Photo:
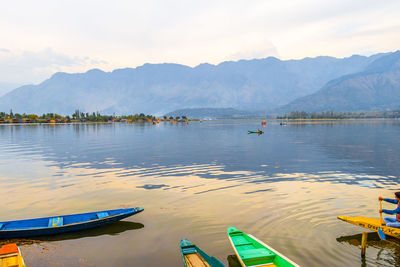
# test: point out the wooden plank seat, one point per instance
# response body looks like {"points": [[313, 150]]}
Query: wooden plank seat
{"points": [[102, 214], [56, 221], [257, 253]]}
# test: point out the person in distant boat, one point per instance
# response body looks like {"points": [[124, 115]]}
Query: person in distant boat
{"points": [[259, 132], [392, 221]]}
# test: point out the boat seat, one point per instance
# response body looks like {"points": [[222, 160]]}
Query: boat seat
{"points": [[244, 244], [102, 214], [257, 253], [189, 250], [1, 225], [56, 221], [240, 240]]}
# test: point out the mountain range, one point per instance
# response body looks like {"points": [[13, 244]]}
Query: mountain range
{"points": [[377, 87], [258, 85]]}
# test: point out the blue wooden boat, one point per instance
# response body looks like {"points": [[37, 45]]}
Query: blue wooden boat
{"points": [[194, 257], [63, 224]]}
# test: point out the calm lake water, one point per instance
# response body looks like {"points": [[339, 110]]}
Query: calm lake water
{"points": [[286, 187]]}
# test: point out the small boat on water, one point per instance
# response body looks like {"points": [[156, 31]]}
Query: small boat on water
{"points": [[63, 224], [255, 132], [252, 252], [10, 256], [194, 257], [371, 224]]}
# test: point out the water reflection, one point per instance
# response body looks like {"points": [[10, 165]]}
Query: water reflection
{"points": [[366, 151], [286, 187], [111, 229], [379, 252], [233, 261]]}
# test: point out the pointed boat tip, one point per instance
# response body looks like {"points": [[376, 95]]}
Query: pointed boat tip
{"points": [[232, 230], [185, 243]]}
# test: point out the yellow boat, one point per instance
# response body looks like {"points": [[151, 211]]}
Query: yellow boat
{"points": [[372, 224], [10, 256]]}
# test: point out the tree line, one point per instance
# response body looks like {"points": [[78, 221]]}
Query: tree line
{"points": [[77, 116]]}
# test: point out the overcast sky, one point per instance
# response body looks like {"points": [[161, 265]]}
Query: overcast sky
{"points": [[38, 38]]}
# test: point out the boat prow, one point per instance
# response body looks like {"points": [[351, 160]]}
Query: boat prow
{"points": [[193, 256], [373, 224]]}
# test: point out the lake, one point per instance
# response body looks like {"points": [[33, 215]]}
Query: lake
{"points": [[286, 187]]}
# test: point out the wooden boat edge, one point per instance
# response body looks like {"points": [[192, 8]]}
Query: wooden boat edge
{"points": [[139, 209], [216, 262], [275, 251], [357, 220], [236, 252], [71, 225]]}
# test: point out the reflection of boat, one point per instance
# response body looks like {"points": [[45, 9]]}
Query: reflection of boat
{"points": [[252, 252], [110, 229], [372, 224], [233, 261], [63, 224], [355, 240], [194, 257], [10, 256]]}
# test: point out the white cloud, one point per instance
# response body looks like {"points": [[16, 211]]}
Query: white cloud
{"points": [[34, 67], [128, 33]]}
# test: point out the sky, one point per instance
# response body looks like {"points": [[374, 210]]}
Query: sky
{"points": [[41, 37]]}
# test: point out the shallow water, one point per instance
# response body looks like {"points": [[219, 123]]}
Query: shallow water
{"points": [[286, 187]]}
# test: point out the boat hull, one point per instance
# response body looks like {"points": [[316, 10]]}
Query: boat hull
{"points": [[252, 252], [77, 226], [193, 256], [371, 224]]}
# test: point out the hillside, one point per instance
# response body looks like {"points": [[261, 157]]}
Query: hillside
{"points": [[375, 88], [257, 84]]}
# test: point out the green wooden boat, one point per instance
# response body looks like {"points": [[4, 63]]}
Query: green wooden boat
{"points": [[252, 252], [255, 132], [194, 257]]}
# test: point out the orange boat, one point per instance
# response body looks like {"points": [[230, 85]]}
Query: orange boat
{"points": [[10, 256]]}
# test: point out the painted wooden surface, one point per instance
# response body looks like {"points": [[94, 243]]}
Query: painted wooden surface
{"points": [[195, 260], [252, 252], [63, 224], [372, 224], [10, 256], [193, 256]]}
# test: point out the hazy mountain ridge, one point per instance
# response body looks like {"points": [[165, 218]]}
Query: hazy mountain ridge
{"points": [[257, 84], [375, 88], [213, 113]]}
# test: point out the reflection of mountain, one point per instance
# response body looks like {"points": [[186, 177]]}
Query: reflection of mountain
{"points": [[345, 153], [370, 147], [111, 229]]}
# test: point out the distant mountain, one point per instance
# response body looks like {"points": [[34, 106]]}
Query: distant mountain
{"points": [[257, 84], [213, 113], [377, 87], [7, 87]]}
